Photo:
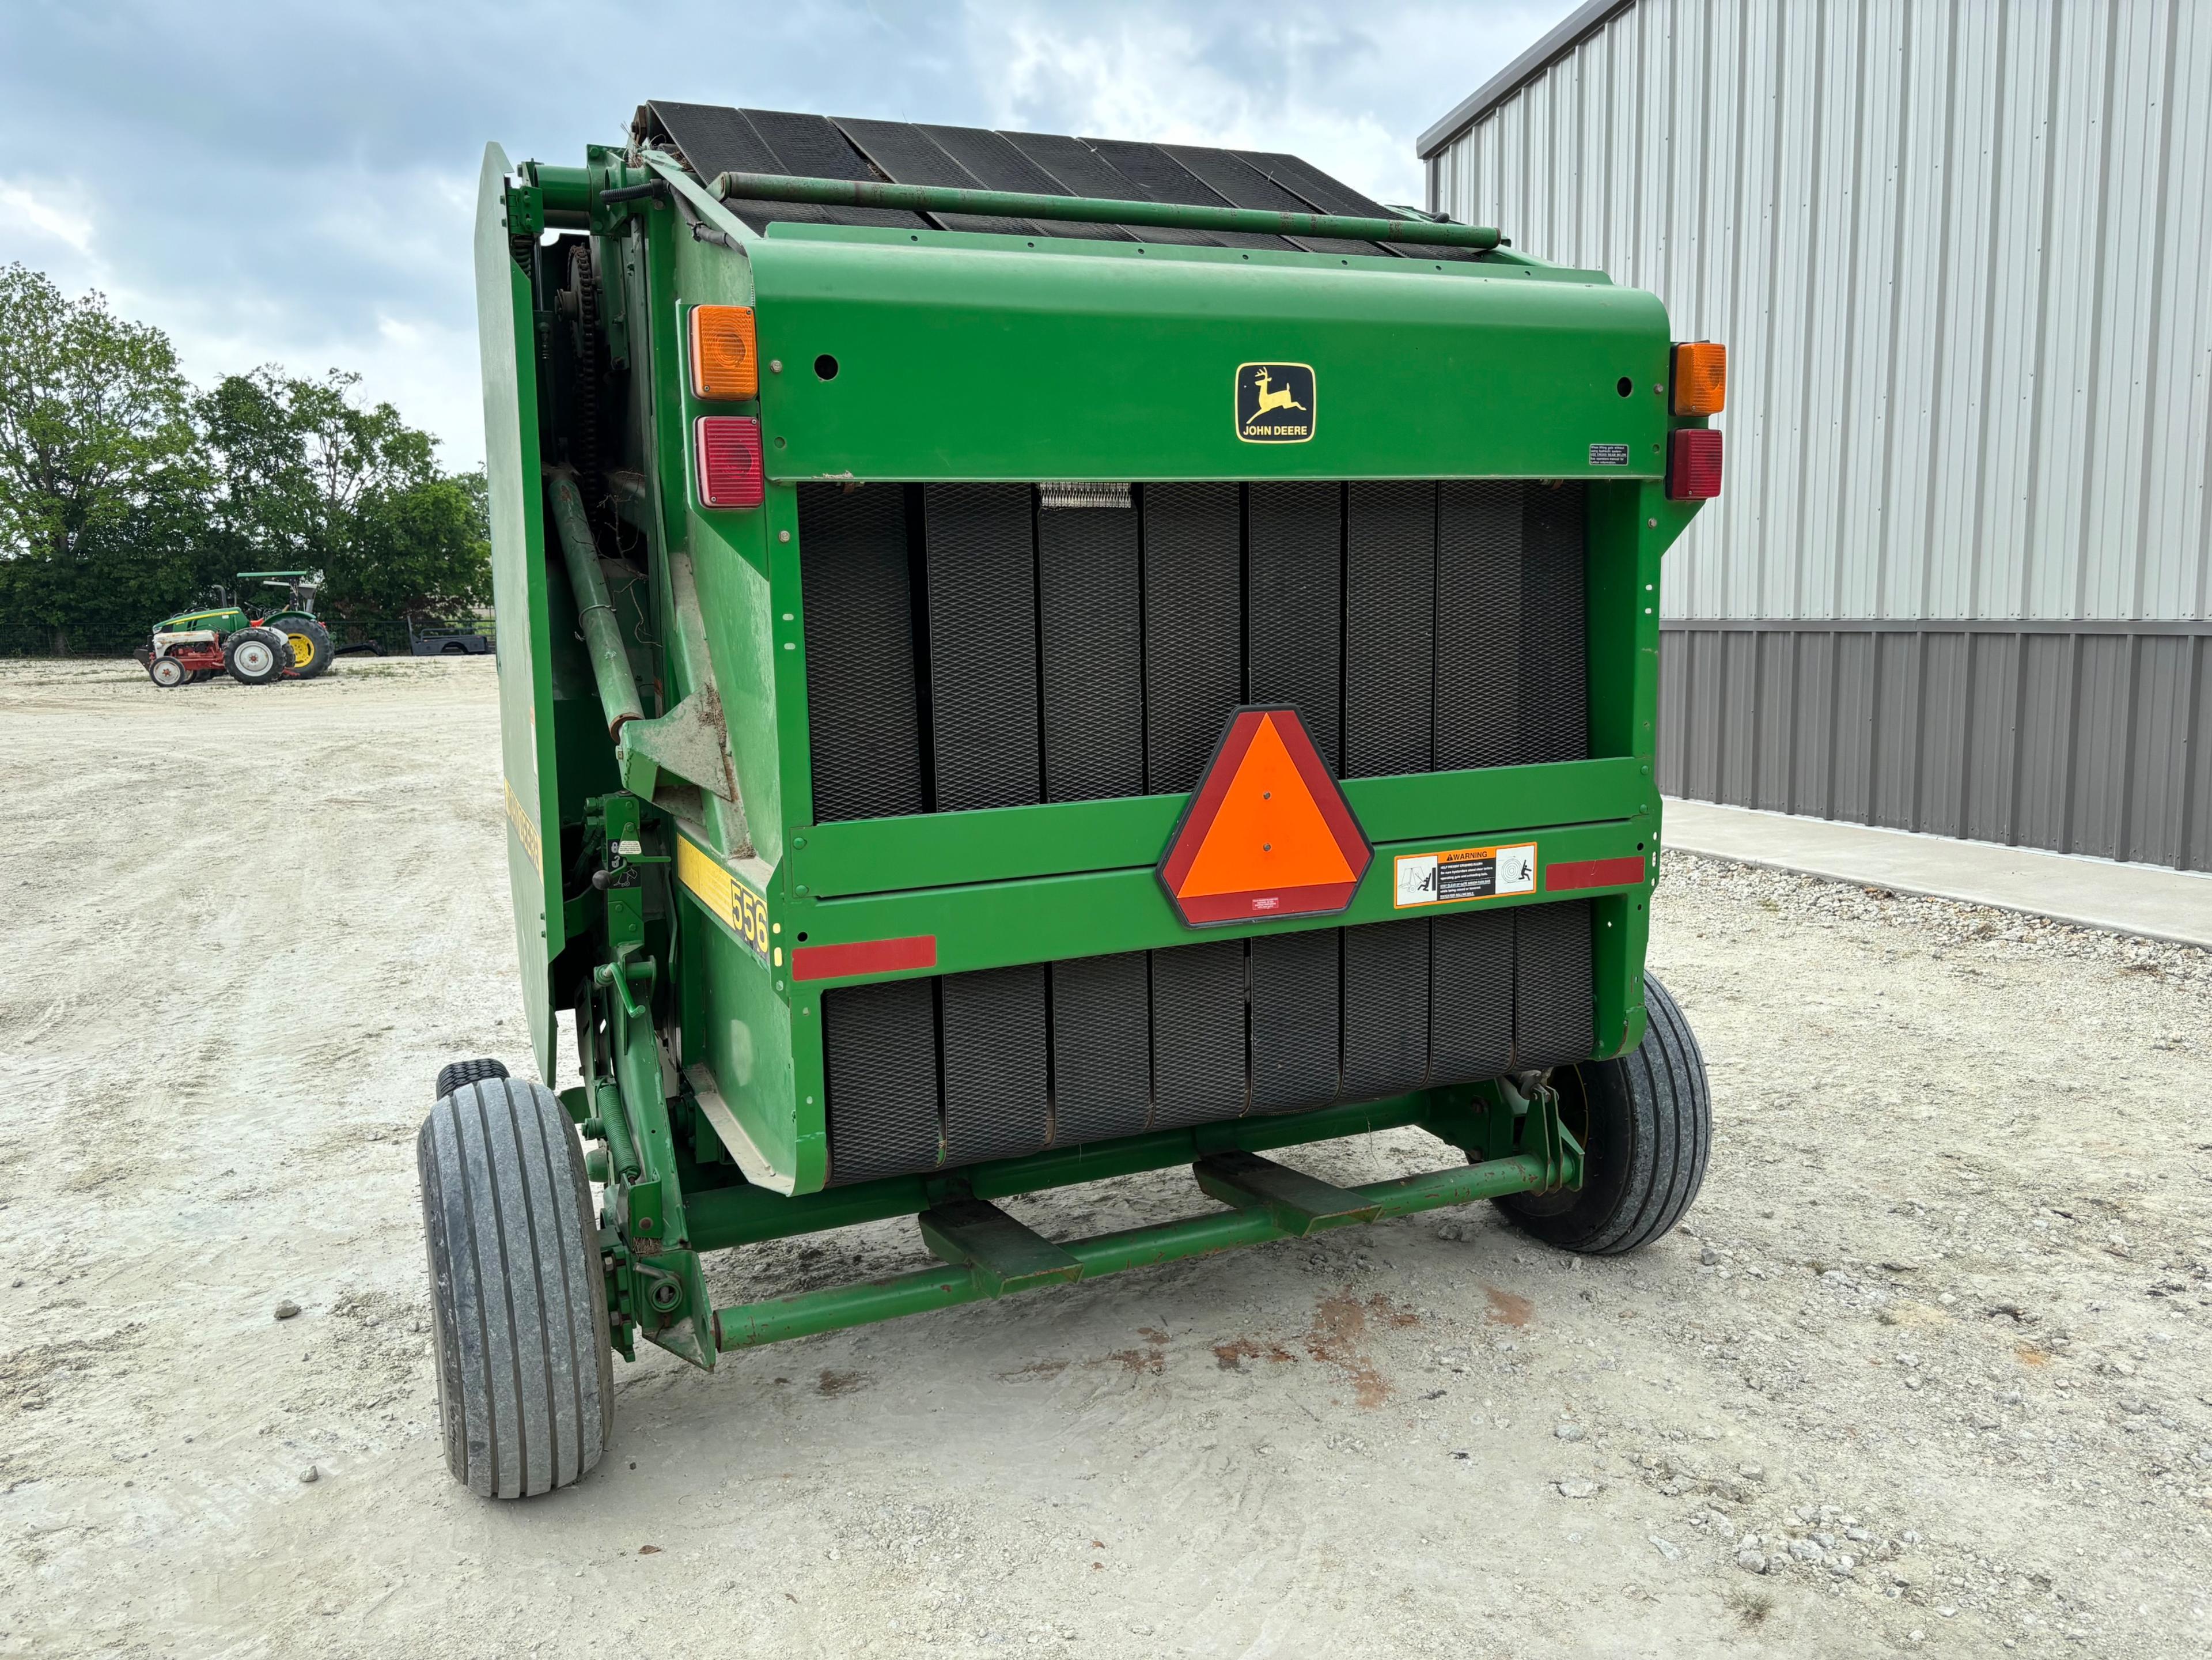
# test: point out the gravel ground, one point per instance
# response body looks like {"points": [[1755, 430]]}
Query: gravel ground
{"points": [[1925, 1372]]}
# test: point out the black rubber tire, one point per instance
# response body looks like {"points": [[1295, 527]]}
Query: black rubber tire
{"points": [[454, 1073], [166, 671], [320, 648], [250, 668], [200, 675], [1645, 1120], [526, 1379]]}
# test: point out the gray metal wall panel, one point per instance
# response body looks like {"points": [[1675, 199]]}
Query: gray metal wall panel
{"points": [[1938, 770], [2082, 742], [1956, 253]]}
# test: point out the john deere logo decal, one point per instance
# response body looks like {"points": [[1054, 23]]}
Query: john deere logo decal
{"points": [[1274, 403]]}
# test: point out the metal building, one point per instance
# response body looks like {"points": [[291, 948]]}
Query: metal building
{"points": [[1959, 576]]}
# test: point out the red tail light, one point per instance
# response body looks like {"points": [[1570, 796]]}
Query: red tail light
{"points": [[1693, 471], [730, 461]]}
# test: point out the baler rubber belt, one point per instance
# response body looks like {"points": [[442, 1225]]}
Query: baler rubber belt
{"points": [[1389, 628], [1194, 628], [863, 723], [1296, 1057], [1554, 1014], [1102, 1048], [1386, 1009], [1161, 177], [1554, 680], [996, 1103], [1198, 1034], [981, 576], [995, 163], [1470, 996], [1480, 533], [1091, 604], [879, 1058], [1294, 605], [1080, 170], [907, 154]]}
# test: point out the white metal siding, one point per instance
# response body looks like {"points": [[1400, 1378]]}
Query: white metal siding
{"points": [[1959, 254]]}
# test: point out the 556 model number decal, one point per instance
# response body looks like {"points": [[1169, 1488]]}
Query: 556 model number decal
{"points": [[730, 900]]}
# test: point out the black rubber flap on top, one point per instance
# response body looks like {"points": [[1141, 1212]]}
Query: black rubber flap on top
{"points": [[1236, 182], [1294, 1059], [1102, 1048], [1194, 628], [982, 644], [879, 1057], [863, 723], [1090, 606], [1082, 171], [1554, 1020], [1198, 1034], [909, 155], [1161, 177], [995, 163], [713, 139], [1389, 628], [1294, 604], [996, 1104]]}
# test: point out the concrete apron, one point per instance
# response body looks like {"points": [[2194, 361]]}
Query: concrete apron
{"points": [[2147, 900]]}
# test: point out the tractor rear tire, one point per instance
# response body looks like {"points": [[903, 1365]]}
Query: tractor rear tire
{"points": [[519, 1308], [454, 1073], [1645, 1120], [257, 657], [198, 675], [166, 671], [310, 641]]}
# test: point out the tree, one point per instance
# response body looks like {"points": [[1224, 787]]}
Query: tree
{"points": [[418, 548], [95, 430]]}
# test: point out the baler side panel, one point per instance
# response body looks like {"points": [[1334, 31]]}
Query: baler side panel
{"points": [[506, 335]]}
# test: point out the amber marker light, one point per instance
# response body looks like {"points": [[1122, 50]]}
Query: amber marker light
{"points": [[1701, 378], [725, 355]]}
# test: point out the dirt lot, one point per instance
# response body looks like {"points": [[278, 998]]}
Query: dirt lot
{"points": [[1925, 1372]]}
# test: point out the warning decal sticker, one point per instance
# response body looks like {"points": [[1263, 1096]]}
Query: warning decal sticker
{"points": [[1608, 455], [1444, 879]]}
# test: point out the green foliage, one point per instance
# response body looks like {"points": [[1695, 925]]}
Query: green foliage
{"points": [[123, 495]]}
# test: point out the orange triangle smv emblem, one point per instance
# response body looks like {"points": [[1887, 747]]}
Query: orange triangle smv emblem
{"points": [[1267, 833]]}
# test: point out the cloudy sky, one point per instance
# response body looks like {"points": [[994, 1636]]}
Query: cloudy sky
{"points": [[293, 183]]}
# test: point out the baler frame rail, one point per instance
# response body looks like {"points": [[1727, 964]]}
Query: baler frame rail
{"points": [[990, 1254]]}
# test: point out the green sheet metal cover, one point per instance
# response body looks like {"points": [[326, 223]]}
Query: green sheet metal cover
{"points": [[505, 336]]}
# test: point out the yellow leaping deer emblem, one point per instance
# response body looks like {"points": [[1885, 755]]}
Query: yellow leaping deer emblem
{"points": [[1277, 399]]}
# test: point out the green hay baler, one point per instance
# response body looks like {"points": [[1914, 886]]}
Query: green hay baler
{"points": [[1026, 659]]}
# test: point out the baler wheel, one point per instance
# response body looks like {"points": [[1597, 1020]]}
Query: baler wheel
{"points": [[1645, 1122], [257, 656], [168, 671], [518, 1298], [454, 1073]]}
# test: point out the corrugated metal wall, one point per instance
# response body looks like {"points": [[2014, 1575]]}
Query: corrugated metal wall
{"points": [[1959, 254]]}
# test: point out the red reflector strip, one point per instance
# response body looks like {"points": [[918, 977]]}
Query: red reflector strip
{"points": [[1693, 472], [729, 461], [1594, 873], [917, 950]]}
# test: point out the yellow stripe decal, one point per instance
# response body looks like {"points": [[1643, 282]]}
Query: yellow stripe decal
{"points": [[730, 901], [524, 829]]}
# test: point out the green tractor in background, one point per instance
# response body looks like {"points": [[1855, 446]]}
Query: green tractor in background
{"points": [[290, 640]]}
